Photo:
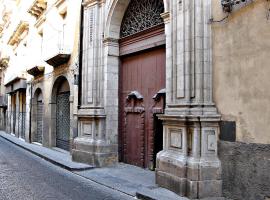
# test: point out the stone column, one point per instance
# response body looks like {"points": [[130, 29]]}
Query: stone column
{"points": [[92, 144], [188, 164]]}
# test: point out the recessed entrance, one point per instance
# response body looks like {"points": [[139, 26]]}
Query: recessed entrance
{"points": [[142, 77], [63, 116], [142, 83], [37, 116]]}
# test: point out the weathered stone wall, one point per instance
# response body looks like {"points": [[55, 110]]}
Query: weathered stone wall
{"points": [[241, 70], [245, 170]]}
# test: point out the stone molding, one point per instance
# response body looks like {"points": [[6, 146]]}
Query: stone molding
{"points": [[18, 35], [38, 8], [166, 17]]}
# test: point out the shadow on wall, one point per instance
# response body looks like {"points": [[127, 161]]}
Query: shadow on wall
{"points": [[245, 170]]}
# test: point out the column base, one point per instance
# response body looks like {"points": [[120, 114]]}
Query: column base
{"points": [[94, 152], [194, 179], [204, 189], [171, 171], [189, 165]]}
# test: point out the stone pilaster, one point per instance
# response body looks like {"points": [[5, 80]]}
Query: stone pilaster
{"points": [[17, 113], [92, 144], [27, 113], [188, 164]]}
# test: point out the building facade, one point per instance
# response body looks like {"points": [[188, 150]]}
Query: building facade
{"points": [[179, 87], [40, 42]]}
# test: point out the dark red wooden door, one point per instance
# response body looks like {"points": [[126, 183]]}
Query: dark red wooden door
{"points": [[144, 75]]}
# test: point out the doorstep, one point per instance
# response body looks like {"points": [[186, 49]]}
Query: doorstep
{"points": [[55, 155]]}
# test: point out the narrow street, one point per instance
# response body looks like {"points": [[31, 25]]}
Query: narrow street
{"points": [[24, 176]]}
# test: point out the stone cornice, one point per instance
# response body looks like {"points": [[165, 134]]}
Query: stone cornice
{"points": [[89, 3], [59, 2], [40, 21], [110, 40], [38, 8], [17, 35]]}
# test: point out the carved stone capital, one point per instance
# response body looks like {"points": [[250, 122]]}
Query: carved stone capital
{"points": [[111, 41]]}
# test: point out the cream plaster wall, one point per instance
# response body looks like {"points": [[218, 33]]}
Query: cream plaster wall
{"points": [[241, 59]]}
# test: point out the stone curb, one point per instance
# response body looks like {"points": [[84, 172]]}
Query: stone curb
{"points": [[157, 194]]}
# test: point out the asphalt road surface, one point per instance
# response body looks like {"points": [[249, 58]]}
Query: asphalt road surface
{"points": [[24, 176]]}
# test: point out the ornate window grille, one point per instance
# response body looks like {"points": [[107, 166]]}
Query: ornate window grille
{"points": [[141, 15]]}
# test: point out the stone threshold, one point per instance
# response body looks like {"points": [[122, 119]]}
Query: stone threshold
{"points": [[56, 156]]}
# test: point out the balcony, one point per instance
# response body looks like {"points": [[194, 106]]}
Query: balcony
{"points": [[57, 51], [36, 70], [15, 83], [3, 101]]}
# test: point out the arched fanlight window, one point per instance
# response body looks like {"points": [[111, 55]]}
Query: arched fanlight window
{"points": [[141, 15]]}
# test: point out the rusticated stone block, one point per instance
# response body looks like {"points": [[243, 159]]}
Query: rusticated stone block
{"points": [[172, 168], [210, 188], [193, 173], [94, 159], [171, 182], [210, 173]]}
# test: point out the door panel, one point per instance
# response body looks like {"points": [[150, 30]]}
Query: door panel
{"points": [[63, 121], [145, 73]]}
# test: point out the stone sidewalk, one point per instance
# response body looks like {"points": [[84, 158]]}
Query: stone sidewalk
{"points": [[128, 179], [56, 156]]}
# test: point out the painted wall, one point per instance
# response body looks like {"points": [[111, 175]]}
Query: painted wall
{"points": [[241, 55]]}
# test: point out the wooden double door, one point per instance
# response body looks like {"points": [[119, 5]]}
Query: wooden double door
{"points": [[142, 76]]}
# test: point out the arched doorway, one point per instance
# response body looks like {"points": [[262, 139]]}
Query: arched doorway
{"points": [[142, 77], [37, 117], [62, 114]]}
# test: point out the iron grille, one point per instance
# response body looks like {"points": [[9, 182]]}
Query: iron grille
{"points": [[141, 15], [21, 124], [63, 121]]}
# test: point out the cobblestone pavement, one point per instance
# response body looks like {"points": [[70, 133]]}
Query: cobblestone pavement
{"points": [[24, 176]]}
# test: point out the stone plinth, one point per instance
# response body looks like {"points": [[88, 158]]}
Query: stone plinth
{"points": [[94, 152], [189, 165]]}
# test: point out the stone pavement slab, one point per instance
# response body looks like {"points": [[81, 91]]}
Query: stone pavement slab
{"points": [[55, 156], [130, 180]]}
